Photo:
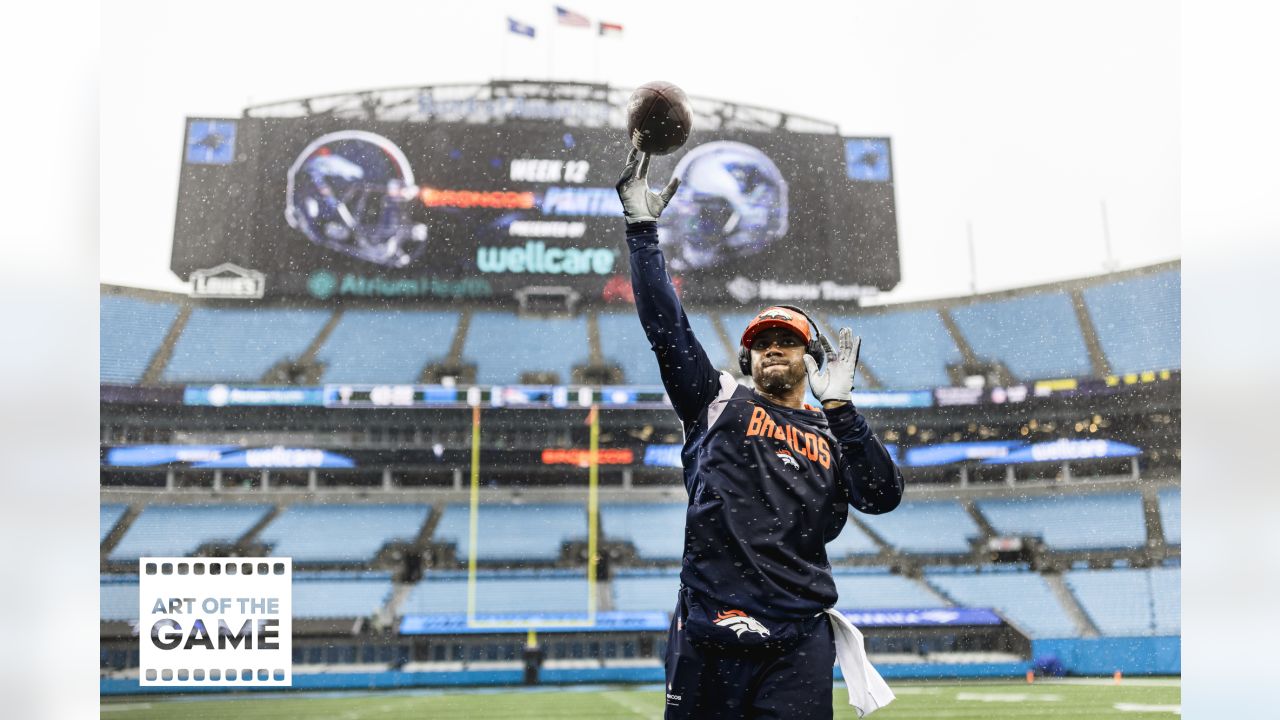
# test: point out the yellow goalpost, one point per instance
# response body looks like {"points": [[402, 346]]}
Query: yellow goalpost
{"points": [[593, 525]]}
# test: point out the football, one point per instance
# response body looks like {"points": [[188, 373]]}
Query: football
{"points": [[658, 118]]}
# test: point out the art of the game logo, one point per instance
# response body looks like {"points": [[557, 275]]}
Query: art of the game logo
{"points": [[215, 622]]}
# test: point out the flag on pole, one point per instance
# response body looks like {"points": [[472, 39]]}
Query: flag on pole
{"points": [[571, 18], [519, 28], [610, 29]]}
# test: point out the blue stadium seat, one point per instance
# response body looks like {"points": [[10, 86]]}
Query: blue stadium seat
{"points": [[499, 595], [1036, 336], [321, 596], [852, 540], [623, 343], [514, 533], [1072, 522], [925, 527], [386, 346], [341, 533], [130, 332], [118, 598], [179, 530], [905, 349], [642, 592], [656, 529], [1170, 502], [863, 591], [1024, 599], [1119, 602], [240, 345], [1139, 321], [108, 516], [1166, 600], [503, 346]]}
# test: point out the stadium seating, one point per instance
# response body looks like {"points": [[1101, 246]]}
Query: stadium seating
{"points": [[882, 591], [851, 541], [514, 533], [240, 345], [1072, 522], [118, 598], [655, 529], [381, 346], [925, 527], [1129, 602], [1139, 321], [623, 343], [548, 594], [108, 516], [328, 595], [905, 349], [503, 346], [1024, 599], [637, 591], [130, 332], [1035, 336], [1170, 502], [179, 530], [341, 533]]}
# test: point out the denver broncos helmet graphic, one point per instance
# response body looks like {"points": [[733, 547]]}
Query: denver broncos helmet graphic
{"points": [[788, 459], [351, 191], [732, 203], [740, 622]]}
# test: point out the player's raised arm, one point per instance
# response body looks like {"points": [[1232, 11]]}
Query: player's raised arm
{"points": [[687, 373], [874, 481]]}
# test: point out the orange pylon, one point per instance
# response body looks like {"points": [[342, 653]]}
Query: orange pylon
{"points": [[1031, 676], [1117, 677]]}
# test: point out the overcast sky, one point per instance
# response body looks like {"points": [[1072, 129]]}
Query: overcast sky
{"points": [[1019, 118]]}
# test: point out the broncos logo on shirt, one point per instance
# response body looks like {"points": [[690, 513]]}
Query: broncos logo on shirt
{"points": [[788, 459], [740, 622]]}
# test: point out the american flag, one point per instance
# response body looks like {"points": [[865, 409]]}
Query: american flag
{"points": [[571, 18]]}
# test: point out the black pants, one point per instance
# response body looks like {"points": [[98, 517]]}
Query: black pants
{"points": [[706, 684]]}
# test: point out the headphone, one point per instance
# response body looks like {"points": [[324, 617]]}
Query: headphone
{"points": [[818, 347]]}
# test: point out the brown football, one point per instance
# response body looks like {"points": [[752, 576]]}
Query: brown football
{"points": [[658, 118]]}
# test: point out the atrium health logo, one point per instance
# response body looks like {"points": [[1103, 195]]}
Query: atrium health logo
{"points": [[322, 284]]}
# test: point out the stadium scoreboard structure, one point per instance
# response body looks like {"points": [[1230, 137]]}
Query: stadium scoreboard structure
{"points": [[484, 191]]}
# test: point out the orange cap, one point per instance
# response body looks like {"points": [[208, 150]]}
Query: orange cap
{"points": [[776, 317]]}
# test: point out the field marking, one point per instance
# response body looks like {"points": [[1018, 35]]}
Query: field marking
{"points": [[625, 701], [117, 707], [1006, 697], [1135, 707], [1137, 682]]}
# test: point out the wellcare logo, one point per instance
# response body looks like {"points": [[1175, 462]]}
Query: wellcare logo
{"points": [[537, 258]]}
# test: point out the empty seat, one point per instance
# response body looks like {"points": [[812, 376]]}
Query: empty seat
{"points": [[646, 592], [179, 530], [321, 597], [1025, 600], [926, 527], [1170, 502], [852, 540], [500, 595], [118, 598], [865, 591], [386, 346], [341, 533], [1119, 602], [130, 332], [623, 343], [655, 529], [1035, 336], [503, 346], [235, 345], [905, 349], [1072, 522], [1139, 321], [108, 516], [514, 533]]}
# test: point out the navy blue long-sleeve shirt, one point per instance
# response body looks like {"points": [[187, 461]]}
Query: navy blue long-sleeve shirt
{"points": [[769, 486]]}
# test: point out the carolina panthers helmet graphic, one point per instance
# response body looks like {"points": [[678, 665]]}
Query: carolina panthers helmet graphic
{"points": [[732, 203], [351, 191]]}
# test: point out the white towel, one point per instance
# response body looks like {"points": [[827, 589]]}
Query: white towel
{"points": [[868, 691]]}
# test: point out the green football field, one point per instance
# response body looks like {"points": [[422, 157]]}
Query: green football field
{"points": [[1133, 699]]}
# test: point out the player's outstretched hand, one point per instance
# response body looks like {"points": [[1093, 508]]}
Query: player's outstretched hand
{"points": [[639, 203], [834, 382]]}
